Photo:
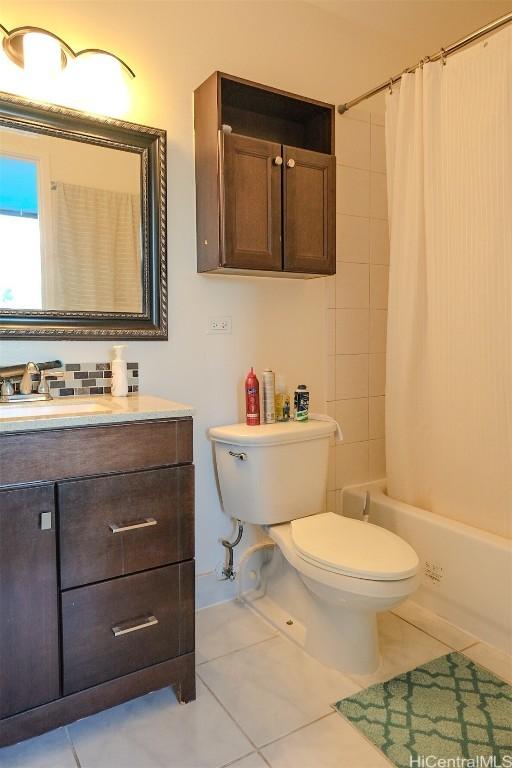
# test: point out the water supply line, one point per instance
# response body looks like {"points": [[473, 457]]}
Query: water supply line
{"points": [[228, 572]]}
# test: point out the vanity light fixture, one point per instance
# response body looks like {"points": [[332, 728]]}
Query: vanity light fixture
{"points": [[26, 45], [14, 45], [38, 63]]}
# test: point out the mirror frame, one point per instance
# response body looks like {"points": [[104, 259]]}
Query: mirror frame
{"points": [[150, 144]]}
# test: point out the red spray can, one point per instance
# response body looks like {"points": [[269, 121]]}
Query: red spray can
{"points": [[252, 399]]}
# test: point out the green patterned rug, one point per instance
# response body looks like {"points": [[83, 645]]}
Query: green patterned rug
{"points": [[448, 708]]}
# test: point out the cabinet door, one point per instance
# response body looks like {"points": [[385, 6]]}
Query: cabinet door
{"points": [[309, 199], [251, 203], [29, 646]]}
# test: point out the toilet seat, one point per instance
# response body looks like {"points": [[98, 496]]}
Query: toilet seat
{"points": [[353, 548]]}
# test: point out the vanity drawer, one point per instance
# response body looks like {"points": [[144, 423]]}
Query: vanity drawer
{"points": [[119, 626], [112, 526], [46, 455]]}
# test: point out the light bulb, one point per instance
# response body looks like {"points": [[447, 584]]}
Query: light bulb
{"points": [[96, 82], [42, 65]]}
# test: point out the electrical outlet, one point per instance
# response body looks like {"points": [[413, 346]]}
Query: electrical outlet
{"points": [[219, 324]]}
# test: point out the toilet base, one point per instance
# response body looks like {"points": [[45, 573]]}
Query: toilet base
{"points": [[341, 638], [340, 616]]}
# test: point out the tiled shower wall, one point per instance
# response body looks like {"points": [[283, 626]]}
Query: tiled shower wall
{"points": [[357, 304]]}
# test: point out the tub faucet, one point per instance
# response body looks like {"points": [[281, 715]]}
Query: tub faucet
{"points": [[366, 507]]}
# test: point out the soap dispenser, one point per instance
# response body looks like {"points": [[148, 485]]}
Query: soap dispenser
{"points": [[119, 372]]}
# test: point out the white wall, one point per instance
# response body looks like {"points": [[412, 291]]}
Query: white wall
{"points": [[173, 47]]}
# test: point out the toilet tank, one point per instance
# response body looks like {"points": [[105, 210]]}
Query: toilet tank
{"points": [[272, 473]]}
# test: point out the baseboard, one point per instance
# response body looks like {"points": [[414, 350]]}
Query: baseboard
{"points": [[210, 590]]}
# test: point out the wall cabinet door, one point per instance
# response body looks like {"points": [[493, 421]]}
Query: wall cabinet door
{"points": [[309, 211], [251, 210], [29, 645]]}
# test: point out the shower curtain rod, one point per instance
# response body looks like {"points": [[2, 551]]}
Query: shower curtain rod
{"points": [[441, 54]]}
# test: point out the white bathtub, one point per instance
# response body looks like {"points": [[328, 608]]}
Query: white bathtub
{"points": [[466, 572]]}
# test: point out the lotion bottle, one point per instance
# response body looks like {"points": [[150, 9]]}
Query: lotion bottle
{"points": [[119, 372]]}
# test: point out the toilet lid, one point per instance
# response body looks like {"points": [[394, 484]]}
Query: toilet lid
{"points": [[353, 548]]}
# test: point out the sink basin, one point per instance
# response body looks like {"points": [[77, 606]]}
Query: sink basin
{"points": [[31, 410]]}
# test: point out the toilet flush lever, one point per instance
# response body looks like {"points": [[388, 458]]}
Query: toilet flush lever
{"points": [[240, 456]]}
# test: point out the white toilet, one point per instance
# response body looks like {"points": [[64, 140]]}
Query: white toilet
{"points": [[275, 475]]}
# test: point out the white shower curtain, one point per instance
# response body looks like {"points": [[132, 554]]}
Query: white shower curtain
{"points": [[449, 349]]}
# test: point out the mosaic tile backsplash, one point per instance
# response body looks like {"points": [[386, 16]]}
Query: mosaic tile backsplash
{"points": [[86, 379]]}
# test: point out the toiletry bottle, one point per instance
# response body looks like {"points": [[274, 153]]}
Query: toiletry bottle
{"points": [[269, 397], [252, 399], [119, 372], [301, 403], [282, 400]]}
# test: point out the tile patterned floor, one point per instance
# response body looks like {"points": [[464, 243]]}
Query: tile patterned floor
{"points": [[261, 702]]}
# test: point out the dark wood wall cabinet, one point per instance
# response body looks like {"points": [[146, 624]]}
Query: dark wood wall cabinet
{"points": [[96, 570], [265, 180]]}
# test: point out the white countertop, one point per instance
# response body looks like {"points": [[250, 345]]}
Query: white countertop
{"points": [[134, 407]]}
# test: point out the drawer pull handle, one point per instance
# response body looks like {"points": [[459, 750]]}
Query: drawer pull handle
{"points": [[129, 626], [121, 527]]}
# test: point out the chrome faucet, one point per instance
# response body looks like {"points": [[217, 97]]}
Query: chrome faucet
{"points": [[7, 389], [24, 373], [43, 388], [26, 379]]}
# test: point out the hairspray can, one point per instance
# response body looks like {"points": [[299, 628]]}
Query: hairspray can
{"points": [[252, 399], [301, 403], [269, 397]]}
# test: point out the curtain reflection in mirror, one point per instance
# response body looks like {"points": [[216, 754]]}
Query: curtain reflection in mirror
{"points": [[95, 263]]}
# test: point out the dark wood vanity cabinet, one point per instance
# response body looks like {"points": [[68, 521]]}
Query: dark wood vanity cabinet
{"points": [[96, 571], [29, 629], [265, 180]]}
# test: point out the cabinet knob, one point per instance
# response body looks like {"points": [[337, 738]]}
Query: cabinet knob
{"points": [[278, 160], [290, 163]]}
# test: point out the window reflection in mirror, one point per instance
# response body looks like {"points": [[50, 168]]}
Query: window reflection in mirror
{"points": [[20, 244], [70, 225]]}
